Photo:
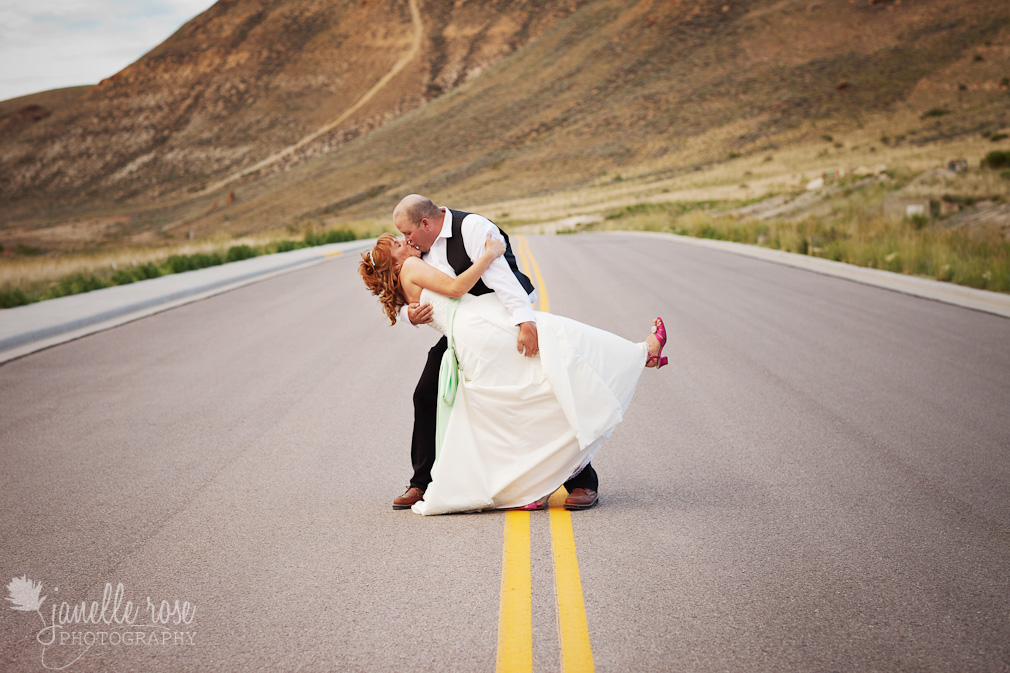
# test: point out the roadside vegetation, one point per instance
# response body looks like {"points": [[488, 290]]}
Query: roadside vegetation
{"points": [[31, 278], [761, 198], [848, 223], [975, 258]]}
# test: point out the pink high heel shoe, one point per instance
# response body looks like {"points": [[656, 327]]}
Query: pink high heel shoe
{"points": [[533, 506], [658, 329]]}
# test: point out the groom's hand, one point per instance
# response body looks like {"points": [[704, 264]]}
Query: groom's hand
{"points": [[419, 314], [527, 343]]}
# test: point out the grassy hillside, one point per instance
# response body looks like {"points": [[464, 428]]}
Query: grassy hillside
{"points": [[652, 95], [580, 111]]}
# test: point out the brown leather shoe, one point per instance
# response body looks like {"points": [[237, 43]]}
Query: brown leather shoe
{"points": [[412, 495], [581, 498]]}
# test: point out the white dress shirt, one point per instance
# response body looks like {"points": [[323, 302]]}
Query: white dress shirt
{"points": [[498, 277]]}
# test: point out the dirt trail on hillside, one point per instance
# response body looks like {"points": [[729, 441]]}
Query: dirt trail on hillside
{"points": [[410, 55]]}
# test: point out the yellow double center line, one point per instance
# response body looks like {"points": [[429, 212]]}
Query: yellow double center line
{"points": [[532, 269], [515, 615]]}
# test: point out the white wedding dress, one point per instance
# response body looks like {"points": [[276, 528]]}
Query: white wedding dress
{"points": [[520, 427]]}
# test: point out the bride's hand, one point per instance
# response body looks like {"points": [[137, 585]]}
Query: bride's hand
{"points": [[494, 246]]}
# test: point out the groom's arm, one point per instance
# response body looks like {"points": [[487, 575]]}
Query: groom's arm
{"points": [[415, 314], [499, 276]]}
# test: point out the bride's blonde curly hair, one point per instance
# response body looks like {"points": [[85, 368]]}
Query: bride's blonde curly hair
{"points": [[382, 277]]}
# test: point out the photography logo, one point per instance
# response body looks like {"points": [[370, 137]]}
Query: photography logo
{"points": [[74, 628]]}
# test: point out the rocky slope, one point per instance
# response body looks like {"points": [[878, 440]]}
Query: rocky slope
{"points": [[243, 80], [505, 98]]}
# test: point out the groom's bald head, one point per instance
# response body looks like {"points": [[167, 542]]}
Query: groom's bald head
{"points": [[418, 219], [412, 208]]}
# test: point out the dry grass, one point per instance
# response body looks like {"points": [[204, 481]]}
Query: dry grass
{"points": [[34, 274], [803, 156], [978, 257], [845, 223]]}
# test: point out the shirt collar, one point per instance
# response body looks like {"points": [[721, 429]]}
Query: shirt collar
{"points": [[446, 231]]}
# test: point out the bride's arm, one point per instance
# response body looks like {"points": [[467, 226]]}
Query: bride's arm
{"points": [[422, 274]]}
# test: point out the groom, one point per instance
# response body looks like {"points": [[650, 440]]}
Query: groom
{"points": [[450, 241]]}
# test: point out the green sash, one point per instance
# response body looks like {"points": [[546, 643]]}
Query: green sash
{"points": [[448, 381]]}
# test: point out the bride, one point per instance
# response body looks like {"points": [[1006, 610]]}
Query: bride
{"points": [[519, 427]]}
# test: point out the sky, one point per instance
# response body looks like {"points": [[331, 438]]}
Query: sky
{"points": [[48, 44]]}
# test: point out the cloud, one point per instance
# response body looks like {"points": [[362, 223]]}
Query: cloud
{"points": [[47, 44]]}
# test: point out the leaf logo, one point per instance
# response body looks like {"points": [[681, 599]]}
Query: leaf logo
{"points": [[24, 594]]}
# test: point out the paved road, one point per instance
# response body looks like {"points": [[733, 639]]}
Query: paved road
{"points": [[817, 483]]}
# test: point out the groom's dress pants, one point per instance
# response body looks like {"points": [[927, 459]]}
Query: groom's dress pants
{"points": [[422, 445], [422, 448]]}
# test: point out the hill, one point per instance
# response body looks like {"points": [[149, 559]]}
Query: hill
{"points": [[496, 102], [236, 84]]}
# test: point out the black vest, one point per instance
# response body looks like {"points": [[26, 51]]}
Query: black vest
{"points": [[455, 252]]}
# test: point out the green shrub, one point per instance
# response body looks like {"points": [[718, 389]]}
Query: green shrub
{"points": [[27, 250], [340, 236], [148, 270], [12, 298], [182, 263], [287, 246], [708, 231], [124, 277], [203, 260], [967, 201], [330, 236], [997, 159], [237, 253], [935, 112], [76, 284], [178, 264]]}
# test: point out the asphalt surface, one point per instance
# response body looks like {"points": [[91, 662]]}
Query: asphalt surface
{"points": [[817, 482]]}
